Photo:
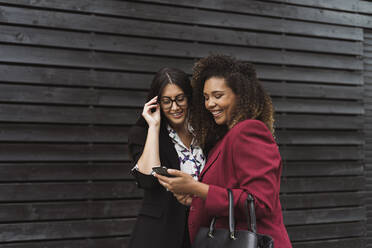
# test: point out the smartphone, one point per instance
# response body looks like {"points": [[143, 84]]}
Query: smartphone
{"points": [[162, 171]]}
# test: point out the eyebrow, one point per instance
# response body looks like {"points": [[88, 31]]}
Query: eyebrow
{"points": [[216, 91], [175, 96]]}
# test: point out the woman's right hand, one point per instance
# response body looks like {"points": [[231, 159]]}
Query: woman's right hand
{"points": [[152, 118]]}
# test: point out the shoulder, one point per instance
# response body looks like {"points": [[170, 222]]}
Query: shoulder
{"points": [[250, 127]]}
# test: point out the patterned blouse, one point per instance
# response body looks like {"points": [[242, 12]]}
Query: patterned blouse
{"points": [[192, 160]]}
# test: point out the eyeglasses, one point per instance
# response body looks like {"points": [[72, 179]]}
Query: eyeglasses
{"points": [[166, 102]]}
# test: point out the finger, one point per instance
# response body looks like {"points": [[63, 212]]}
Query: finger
{"points": [[164, 179], [176, 173]]}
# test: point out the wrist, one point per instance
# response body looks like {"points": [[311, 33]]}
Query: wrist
{"points": [[200, 190], [154, 127]]}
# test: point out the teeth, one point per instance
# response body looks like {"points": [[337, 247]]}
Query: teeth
{"points": [[216, 112]]}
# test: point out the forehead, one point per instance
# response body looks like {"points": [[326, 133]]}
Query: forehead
{"points": [[171, 90], [215, 84]]}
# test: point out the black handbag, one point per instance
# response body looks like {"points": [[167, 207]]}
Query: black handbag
{"points": [[222, 238]]}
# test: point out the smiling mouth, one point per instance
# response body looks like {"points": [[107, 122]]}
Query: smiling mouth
{"points": [[216, 113], [177, 115]]}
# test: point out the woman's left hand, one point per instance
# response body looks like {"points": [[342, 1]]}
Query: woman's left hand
{"points": [[182, 183]]}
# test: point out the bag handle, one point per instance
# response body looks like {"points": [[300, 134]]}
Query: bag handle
{"points": [[231, 218], [250, 214]]}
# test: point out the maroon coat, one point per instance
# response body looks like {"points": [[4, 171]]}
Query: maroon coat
{"points": [[247, 159]]}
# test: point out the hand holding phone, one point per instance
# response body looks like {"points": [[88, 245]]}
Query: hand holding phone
{"points": [[161, 171]]}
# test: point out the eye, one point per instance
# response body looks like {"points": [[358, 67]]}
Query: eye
{"points": [[165, 100], [206, 98], [218, 96], [180, 98]]}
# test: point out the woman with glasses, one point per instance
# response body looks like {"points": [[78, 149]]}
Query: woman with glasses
{"points": [[162, 136]]}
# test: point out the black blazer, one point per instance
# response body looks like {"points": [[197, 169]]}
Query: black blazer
{"points": [[162, 220]]}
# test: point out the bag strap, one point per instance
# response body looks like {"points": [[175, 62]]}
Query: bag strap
{"points": [[231, 215], [250, 213]]}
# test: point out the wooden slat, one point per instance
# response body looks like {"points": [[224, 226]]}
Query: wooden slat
{"points": [[298, 121], [321, 200], [313, 90], [67, 229], [321, 216], [317, 106], [180, 15], [311, 137], [322, 184], [108, 79], [64, 114], [53, 133], [31, 172], [70, 96], [68, 210], [321, 153], [114, 61], [335, 243], [63, 152], [112, 242], [329, 168], [329, 231], [106, 42], [280, 10], [21, 192]]}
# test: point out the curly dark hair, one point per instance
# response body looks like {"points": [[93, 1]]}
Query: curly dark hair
{"points": [[252, 100]]}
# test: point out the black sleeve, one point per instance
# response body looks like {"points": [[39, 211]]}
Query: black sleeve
{"points": [[136, 143]]}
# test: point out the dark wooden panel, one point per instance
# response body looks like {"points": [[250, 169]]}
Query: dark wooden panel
{"points": [[322, 184], [105, 42], [68, 210], [317, 106], [68, 229], [312, 75], [329, 168], [112, 242], [298, 121], [329, 231], [321, 153], [313, 90], [20, 192], [74, 77], [85, 59], [105, 79], [318, 137], [280, 10], [115, 61], [27, 171], [321, 216], [163, 13], [63, 152], [71, 115], [336, 243], [70, 96], [62, 133], [321, 200]]}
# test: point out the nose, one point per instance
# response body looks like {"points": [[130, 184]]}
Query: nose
{"points": [[209, 104], [174, 106]]}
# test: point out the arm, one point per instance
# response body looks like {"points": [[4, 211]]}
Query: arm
{"points": [[256, 162], [146, 156]]}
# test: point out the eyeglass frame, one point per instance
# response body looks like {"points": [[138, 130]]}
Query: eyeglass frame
{"points": [[173, 100]]}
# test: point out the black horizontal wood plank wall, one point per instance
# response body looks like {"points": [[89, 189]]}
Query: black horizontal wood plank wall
{"points": [[368, 130], [75, 75]]}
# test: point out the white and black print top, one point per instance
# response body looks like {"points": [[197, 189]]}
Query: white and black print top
{"points": [[192, 160]]}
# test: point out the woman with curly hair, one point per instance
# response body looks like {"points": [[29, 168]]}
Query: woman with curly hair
{"points": [[232, 115]]}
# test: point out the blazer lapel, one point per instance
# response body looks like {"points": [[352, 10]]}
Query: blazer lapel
{"points": [[167, 151], [211, 159]]}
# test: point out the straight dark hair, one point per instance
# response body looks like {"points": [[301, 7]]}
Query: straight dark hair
{"points": [[162, 78]]}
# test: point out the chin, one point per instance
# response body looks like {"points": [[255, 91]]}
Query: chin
{"points": [[176, 122]]}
